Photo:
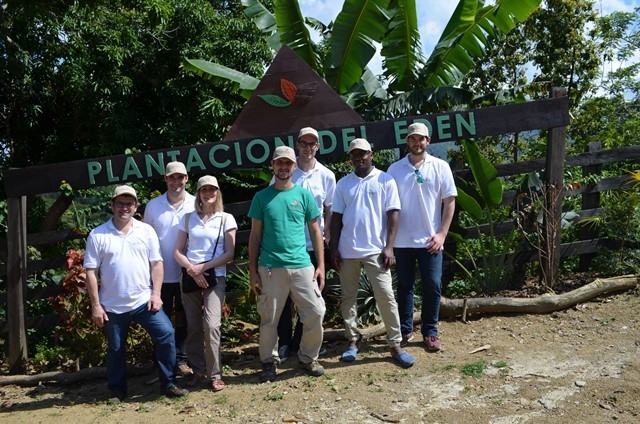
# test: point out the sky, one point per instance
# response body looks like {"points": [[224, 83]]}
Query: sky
{"points": [[433, 16]]}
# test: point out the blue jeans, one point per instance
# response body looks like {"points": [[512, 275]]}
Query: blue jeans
{"points": [[160, 329], [430, 267]]}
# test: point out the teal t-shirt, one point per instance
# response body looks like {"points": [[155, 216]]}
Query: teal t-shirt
{"points": [[284, 215]]}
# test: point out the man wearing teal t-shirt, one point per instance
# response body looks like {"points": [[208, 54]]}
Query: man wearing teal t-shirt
{"points": [[279, 264]]}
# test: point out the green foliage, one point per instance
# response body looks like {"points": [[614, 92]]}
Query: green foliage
{"points": [[368, 310], [474, 369], [459, 287]]}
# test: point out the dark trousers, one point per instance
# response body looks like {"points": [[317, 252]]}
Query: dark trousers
{"points": [[172, 303]]}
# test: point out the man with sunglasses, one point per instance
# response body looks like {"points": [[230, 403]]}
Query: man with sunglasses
{"points": [[427, 194], [363, 228], [124, 255], [321, 182]]}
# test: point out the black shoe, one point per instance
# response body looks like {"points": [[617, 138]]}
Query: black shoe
{"points": [[268, 373], [116, 397], [174, 391]]}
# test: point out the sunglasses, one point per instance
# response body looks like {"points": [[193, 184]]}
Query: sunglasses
{"points": [[419, 178]]}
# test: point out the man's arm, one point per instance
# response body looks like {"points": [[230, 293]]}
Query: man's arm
{"points": [[157, 275], [392, 229], [448, 209], [255, 240], [327, 224], [97, 313], [318, 248], [336, 228]]}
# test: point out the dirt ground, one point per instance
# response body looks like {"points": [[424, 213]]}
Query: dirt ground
{"points": [[581, 365]]}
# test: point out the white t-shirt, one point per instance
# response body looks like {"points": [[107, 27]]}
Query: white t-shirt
{"points": [[364, 203], [421, 213], [165, 219], [321, 182], [123, 262], [203, 235]]}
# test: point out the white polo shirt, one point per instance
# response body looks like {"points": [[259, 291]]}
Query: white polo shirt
{"points": [[203, 235], [321, 182], [421, 213], [364, 203], [123, 262], [165, 219]]}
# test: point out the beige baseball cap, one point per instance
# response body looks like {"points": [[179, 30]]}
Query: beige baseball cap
{"points": [[208, 180], [418, 128], [285, 152], [359, 144], [308, 131], [124, 190], [175, 168]]}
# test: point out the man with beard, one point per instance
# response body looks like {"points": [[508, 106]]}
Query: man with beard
{"points": [[427, 193], [363, 228], [279, 264]]}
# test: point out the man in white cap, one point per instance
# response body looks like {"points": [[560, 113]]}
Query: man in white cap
{"points": [[321, 182], [427, 193], [125, 254], [163, 213], [363, 228], [279, 264]]}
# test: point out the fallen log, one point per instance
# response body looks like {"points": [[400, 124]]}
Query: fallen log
{"points": [[63, 377], [450, 308]]}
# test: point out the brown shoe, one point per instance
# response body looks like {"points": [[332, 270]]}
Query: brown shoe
{"points": [[184, 369]]}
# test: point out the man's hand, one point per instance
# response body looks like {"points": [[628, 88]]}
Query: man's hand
{"points": [[318, 277], [99, 315], [155, 303], [256, 283], [387, 260]]}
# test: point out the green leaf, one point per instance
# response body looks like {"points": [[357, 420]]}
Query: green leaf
{"points": [[294, 33], [484, 173], [357, 28], [221, 74], [274, 100], [401, 47], [264, 20], [468, 199], [467, 36]]}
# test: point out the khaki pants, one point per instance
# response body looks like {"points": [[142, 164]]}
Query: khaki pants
{"points": [[380, 279], [203, 309], [277, 285]]}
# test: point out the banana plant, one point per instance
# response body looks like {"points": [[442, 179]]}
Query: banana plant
{"points": [[351, 41]]}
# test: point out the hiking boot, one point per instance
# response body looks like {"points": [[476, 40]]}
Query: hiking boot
{"points": [[268, 372], [184, 369], [174, 391], [433, 343], [312, 368], [406, 338]]}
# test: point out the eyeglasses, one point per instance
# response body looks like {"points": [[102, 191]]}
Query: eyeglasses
{"points": [[358, 156], [124, 205], [419, 178], [307, 145]]}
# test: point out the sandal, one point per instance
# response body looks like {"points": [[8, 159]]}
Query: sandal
{"points": [[349, 355], [217, 385], [193, 380]]}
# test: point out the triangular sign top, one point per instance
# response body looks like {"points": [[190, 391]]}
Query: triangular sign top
{"points": [[290, 96]]}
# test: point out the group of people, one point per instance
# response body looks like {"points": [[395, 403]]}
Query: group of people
{"points": [[369, 219]]}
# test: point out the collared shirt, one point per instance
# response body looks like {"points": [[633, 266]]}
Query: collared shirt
{"points": [[165, 220], [123, 261], [364, 203], [421, 213]]}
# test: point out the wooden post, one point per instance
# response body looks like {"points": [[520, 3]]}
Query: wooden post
{"points": [[589, 201], [554, 172], [16, 281]]}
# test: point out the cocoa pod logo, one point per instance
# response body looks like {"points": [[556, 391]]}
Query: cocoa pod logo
{"points": [[292, 95]]}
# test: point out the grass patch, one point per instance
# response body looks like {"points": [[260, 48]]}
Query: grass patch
{"points": [[474, 369], [500, 364]]}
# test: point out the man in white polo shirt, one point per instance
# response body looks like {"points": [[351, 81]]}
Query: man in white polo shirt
{"points": [[321, 182], [363, 228], [124, 279], [427, 193], [163, 213]]}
